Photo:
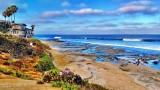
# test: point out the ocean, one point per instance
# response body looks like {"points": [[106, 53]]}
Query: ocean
{"points": [[138, 44]]}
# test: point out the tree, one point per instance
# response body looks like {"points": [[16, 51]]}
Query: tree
{"points": [[11, 11], [32, 26], [14, 9], [8, 13], [4, 15]]}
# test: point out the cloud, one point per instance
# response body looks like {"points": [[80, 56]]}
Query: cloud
{"points": [[40, 21], [51, 14], [81, 12], [134, 7], [130, 9], [66, 4], [154, 24], [80, 22], [106, 20], [131, 23], [102, 25], [86, 11], [141, 2], [138, 9]]}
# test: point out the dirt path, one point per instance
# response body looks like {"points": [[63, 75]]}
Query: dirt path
{"points": [[13, 83]]}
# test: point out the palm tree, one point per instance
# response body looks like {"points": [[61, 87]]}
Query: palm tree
{"points": [[4, 15], [11, 11], [32, 26], [14, 9], [8, 14]]}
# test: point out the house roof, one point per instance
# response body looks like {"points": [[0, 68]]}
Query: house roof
{"points": [[28, 29], [20, 24], [2, 21]]}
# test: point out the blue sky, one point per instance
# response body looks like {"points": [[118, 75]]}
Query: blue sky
{"points": [[88, 16]]}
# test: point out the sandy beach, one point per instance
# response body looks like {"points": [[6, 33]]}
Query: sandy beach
{"points": [[110, 75]]}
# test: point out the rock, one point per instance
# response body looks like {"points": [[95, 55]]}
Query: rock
{"points": [[124, 68], [155, 79], [155, 62]]}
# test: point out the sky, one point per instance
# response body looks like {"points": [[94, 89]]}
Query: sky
{"points": [[88, 16]]}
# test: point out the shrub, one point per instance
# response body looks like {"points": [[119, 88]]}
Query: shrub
{"points": [[66, 76], [17, 73], [69, 81], [44, 64], [1, 69], [65, 85], [52, 75], [95, 87], [17, 65], [40, 82], [8, 62], [5, 71]]}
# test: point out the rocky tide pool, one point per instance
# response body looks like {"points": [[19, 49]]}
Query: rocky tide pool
{"points": [[145, 49]]}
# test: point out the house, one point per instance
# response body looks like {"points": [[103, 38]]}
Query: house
{"points": [[2, 21], [21, 30]]}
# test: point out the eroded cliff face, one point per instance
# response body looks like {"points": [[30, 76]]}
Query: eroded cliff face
{"points": [[19, 56], [20, 47]]}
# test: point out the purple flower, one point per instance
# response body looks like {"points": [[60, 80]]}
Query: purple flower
{"points": [[67, 69]]}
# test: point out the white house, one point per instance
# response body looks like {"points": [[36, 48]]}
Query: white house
{"points": [[21, 30]]}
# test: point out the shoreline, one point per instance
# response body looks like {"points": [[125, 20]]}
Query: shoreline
{"points": [[107, 74]]}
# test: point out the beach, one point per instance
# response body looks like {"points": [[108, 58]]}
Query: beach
{"points": [[79, 45], [108, 74]]}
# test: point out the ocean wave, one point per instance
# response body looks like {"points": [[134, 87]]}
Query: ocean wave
{"points": [[57, 37], [127, 39], [136, 47]]}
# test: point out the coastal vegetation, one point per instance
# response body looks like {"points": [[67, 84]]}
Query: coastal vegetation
{"points": [[18, 57], [67, 80]]}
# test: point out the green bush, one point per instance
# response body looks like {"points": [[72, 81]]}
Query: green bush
{"points": [[52, 75], [17, 73], [65, 85], [44, 64], [97, 87], [5, 71], [3, 30], [20, 74]]}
